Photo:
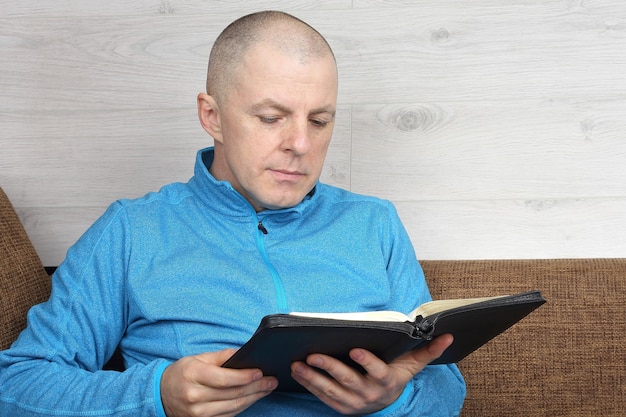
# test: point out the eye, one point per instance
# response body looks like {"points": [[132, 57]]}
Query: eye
{"points": [[319, 123], [268, 119]]}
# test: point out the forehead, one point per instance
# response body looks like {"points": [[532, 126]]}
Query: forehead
{"points": [[275, 56], [270, 104], [268, 74]]}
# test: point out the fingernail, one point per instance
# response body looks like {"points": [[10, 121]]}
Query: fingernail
{"points": [[357, 354], [315, 361], [272, 384], [298, 368]]}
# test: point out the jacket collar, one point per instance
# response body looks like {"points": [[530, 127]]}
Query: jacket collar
{"points": [[223, 198]]}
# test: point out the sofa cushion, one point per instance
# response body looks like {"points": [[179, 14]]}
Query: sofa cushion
{"points": [[23, 280], [565, 359]]}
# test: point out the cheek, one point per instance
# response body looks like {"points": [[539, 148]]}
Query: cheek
{"points": [[240, 147], [321, 147], [243, 164]]}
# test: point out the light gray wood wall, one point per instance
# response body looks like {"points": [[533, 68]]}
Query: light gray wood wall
{"points": [[497, 127]]}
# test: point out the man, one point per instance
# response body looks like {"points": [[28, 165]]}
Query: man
{"points": [[180, 278]]}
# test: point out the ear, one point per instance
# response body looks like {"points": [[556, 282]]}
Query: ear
{"points": [[209, 115]]}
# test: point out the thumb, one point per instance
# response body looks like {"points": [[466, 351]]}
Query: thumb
{"points": [[216, 358], [437, 346], [416, 360]]}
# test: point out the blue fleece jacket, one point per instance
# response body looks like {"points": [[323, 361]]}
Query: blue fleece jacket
{"points": [[189, 270]]}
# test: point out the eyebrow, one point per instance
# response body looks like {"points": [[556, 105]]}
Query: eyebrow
{"points": [[270, 103]]}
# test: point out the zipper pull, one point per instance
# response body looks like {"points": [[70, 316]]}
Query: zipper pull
{"points": [[261, 227], [424, 328]]}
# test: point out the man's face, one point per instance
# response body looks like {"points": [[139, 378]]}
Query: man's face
{"points": [[275, 127]]}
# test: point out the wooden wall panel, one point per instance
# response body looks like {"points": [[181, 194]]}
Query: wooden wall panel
{"points": [[497, 128], [164, 7], [476, 52], [516, 229], [490, 150], [482, 50], [96, 160]]}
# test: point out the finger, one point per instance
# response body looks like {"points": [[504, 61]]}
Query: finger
{"points": [[211, 374], [323, 387], [229, 407], [344, 374], [309, 376], [196, 384], [415, 360], [374, 367], [216, 358], [436, 347], [222, 378], [205, 381], [347, 390]]}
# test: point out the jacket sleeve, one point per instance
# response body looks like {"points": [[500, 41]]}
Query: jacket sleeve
{"points": [[54, 368], [438, 390]]}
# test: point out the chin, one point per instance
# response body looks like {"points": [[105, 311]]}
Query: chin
{"points": [[282, 203]]}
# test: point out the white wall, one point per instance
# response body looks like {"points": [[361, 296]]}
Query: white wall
{"points": [[497, 127]]}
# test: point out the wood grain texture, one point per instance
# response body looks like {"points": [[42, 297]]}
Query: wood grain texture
{"points": [[440, 53], [490, 150], [516, 229], [102, 156], [498, 129], [163, 7]]}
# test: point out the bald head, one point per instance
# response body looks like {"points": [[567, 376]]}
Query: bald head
{"points": [[288, 34]]}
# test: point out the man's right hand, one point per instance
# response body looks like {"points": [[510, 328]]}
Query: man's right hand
{"points": [[198, 386]]}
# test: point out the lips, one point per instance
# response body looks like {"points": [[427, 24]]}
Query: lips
{"points": [[287, 175], [287, 172]]}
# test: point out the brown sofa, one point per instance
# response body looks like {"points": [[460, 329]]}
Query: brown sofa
{"points": [[565, 359], [568, 358], [23, 280]]}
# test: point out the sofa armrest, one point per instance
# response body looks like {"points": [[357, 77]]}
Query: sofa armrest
{"points": [[23, 280]]}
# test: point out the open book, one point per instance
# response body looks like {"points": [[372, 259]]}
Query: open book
{"points": [[282, 339]]}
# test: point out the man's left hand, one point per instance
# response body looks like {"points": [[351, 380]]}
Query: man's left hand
{"points": [[349, 391]]}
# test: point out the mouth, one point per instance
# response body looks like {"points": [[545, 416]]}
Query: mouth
{"points": [[287, 175]]}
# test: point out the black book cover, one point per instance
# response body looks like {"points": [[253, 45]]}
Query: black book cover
{"points": [[283, 338]]}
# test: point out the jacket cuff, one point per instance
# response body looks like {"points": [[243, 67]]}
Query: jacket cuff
{"points": [[158, 403]]}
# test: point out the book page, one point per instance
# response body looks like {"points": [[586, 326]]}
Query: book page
{"points": [[426, 309], [437, 306], [383, 315]]}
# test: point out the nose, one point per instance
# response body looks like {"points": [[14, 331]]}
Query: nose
{"points": [[297, 137]]}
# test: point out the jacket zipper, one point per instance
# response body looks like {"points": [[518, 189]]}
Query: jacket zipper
{"points": [[281, 297]]}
